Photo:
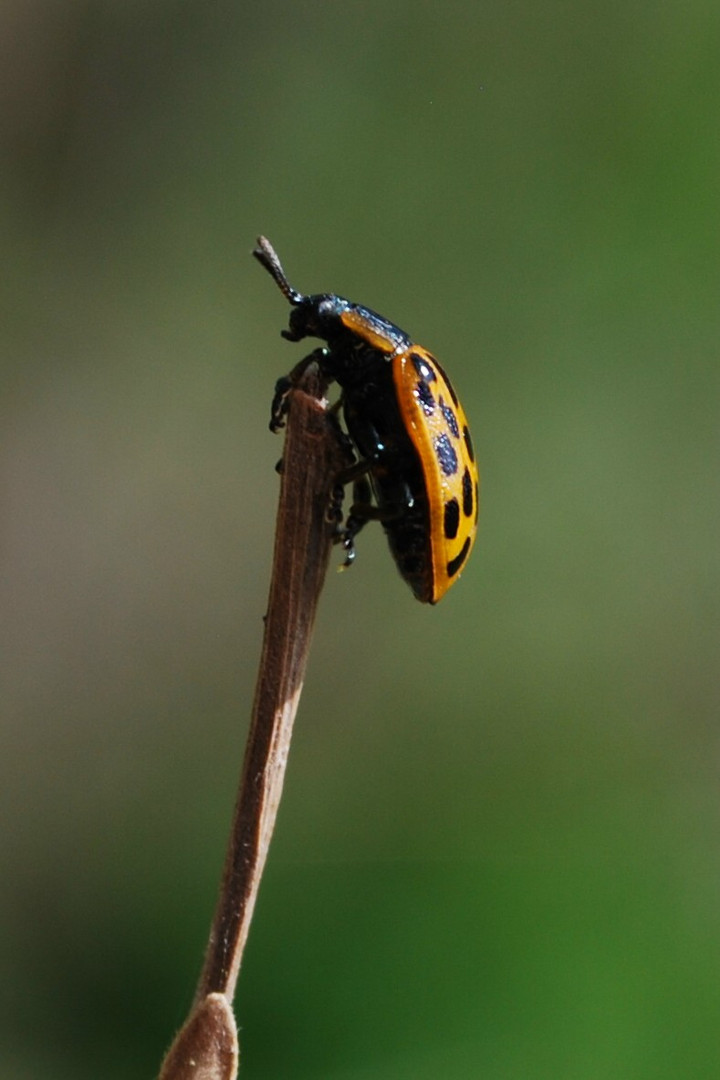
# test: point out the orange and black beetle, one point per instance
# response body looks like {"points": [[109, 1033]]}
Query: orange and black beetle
{"points": [[415, 454]]}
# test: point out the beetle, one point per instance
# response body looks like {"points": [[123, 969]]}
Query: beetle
{"points": [[415, 456]]}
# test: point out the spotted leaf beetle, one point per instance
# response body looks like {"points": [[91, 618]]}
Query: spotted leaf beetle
{"points": [[415, 454]]}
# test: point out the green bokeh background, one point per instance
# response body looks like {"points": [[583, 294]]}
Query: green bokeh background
{"points": [[498, 854]]}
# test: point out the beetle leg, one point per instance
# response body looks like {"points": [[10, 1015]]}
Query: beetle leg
{"points": [[355, 471], [361, 511], [279, 406], [334, 512], [363, 508]]}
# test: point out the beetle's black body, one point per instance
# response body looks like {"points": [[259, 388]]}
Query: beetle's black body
{"points": [[374, 425]]}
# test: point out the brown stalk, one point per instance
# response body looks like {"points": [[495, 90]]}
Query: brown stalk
{"points": [[206, 1047]]}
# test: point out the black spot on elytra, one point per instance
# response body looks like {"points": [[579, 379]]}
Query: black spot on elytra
{"points": [[447, 458], [425, 396], [468, 443], [454, 565], [450, 419], [422, 367], [452, 519], [467, 487]]}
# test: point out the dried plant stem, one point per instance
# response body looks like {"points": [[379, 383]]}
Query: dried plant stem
{"points": [[203, 1050]]}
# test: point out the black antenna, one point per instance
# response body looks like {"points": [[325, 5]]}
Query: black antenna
{"points": [[266, 255]]}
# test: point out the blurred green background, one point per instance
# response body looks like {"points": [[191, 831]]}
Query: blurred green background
{"points": [[498, 853]]}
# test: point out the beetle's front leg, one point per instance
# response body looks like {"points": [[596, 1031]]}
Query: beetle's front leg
{"points": [[279, 406]]}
